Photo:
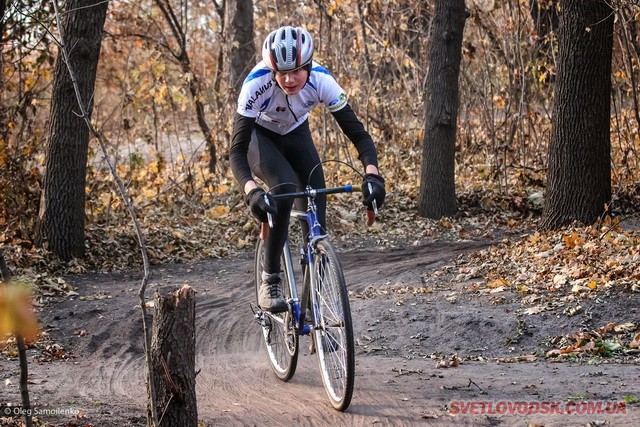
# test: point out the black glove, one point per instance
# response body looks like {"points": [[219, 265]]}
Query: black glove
{"points": [[376, 193], [259, 207]]}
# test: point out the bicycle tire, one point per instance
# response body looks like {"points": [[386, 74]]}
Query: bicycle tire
{"points": [[281, 343], [334, 334]]}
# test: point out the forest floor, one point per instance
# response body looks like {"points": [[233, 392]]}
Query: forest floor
{"points": [[436, 344]]}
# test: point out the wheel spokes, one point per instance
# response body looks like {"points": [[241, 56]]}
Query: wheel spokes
{"points": [[332, 340]]}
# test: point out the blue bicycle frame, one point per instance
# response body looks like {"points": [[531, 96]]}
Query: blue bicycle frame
{"points": [[315, 235]]}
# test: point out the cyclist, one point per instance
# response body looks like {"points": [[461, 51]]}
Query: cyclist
{"points": [[271, 139]]}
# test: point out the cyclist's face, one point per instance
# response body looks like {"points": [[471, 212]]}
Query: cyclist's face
{"points": [[292, 82]]}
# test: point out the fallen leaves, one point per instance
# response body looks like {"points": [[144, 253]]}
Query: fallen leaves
{"points": [[451, 362], [52, 351], [218, 211], [534, 310], [517, 359], [373, 292], [605, 341], [577, 260], [635, 342]]}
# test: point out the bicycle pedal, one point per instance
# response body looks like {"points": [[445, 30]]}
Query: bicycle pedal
{"points": [[258, 314]]}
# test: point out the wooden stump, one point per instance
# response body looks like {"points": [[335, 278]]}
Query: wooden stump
{"points": [[173, 358]]}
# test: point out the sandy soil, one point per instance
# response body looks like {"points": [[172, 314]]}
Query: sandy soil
{"points": [[402, 337]]}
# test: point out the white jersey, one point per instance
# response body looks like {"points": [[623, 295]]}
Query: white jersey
{"points": [[260, 97]]}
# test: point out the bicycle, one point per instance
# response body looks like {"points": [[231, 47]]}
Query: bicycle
{"points": [[324, 293]]}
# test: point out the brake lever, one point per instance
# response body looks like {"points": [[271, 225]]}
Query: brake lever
{"points": [[374, 204], [371, 214], [269, 216]]}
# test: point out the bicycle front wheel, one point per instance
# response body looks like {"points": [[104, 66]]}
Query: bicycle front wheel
{"points": [[333, 333], [278, 329]]}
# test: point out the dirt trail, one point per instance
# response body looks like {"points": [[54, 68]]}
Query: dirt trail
{"points": [[400, 336]]}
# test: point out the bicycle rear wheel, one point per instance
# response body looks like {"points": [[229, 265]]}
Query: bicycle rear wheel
{"points": [[278, 330], [333, 334]]}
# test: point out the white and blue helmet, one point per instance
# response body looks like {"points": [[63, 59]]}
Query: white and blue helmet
{"points": [[287, 49]]}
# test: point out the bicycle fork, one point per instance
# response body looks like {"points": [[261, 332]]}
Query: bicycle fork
{"points": [[293, 302]]}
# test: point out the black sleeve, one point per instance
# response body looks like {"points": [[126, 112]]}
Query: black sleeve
{"points": [[355, 131], [240, 139]]}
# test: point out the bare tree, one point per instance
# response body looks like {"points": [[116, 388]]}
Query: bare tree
{"points": [[437, 181], [177, 22], [240, 49], [579, 178], [61, 218]]}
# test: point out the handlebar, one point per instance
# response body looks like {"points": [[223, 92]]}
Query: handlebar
{"points": [[313, 192]]}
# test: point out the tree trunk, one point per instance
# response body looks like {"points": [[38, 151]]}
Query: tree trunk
{"points": [[173, 359], [437, 181], [240, 51], [61, 217], [579, 177], [238, 58]]}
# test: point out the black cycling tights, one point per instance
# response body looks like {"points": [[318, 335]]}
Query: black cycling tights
{"points": [[284, 163]]}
